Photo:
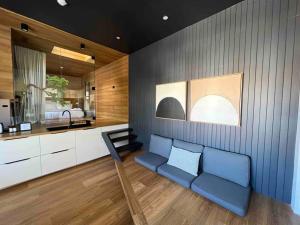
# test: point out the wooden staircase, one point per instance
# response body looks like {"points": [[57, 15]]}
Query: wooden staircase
{"points": [[121, 140]]}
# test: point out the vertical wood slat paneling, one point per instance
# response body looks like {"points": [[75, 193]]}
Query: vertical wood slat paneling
{"points": [[112, 91], [294, 99], [256, 37], [6, 73], [257, 91], [286, 97], [264, 71], [278, 98]]}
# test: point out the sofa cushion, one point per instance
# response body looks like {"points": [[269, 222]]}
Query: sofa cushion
{"points": [[160, 145], [228, 165], [185, 160], [150, 160], [231, 196], [188, 146], [177, 175]]}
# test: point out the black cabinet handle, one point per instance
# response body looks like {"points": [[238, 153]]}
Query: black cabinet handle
{"points": [[90, 128], [59, 132], [60, 151], [17, 161]]}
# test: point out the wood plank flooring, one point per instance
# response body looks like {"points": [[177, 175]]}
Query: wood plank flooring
{"points": [[92, 194], [83, 195]]}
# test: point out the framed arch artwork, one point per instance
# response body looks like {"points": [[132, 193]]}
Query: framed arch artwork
{"points": [[171, 100], [216, 100]]}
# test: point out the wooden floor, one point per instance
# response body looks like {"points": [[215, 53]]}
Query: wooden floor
{"points": [[92, 194]]}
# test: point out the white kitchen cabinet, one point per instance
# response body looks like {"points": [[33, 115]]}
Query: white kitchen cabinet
{"points": [[19, 148], [89, 145], [20, 171], [57, 142], [56, 161], [26, 158]]}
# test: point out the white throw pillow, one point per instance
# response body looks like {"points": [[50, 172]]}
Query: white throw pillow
{"points": [[185, 160]]}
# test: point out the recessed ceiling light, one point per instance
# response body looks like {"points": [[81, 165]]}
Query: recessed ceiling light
{"points": [[118, 37], [62, 2], [24, 27], [165, 17], [61, 67]]}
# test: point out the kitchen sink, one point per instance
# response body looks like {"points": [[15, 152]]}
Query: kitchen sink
{"points": [[87, 123]]}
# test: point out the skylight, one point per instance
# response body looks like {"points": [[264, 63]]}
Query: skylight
{"points": [[73, 55]]}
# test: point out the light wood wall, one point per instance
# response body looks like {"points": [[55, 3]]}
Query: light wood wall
{"points": [[112, 91], [11, 21], [6, 75]]}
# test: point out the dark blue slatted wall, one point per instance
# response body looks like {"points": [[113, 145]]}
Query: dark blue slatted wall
{"points": [[257, 37]]}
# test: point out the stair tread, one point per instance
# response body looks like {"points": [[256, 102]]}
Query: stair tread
{"points": [[131, 146], [125, 137], [119, 131]]}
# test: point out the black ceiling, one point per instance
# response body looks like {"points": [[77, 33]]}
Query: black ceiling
{"points": [[138, 22]]}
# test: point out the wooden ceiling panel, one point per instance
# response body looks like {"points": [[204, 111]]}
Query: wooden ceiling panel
{"points": [[104, 55], [70, 66]]}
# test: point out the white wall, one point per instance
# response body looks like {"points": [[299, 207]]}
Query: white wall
{"points": [[296, 180]]}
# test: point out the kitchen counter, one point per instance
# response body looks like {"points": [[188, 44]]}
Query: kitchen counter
{"points": [[42, 129], [32, 154]]}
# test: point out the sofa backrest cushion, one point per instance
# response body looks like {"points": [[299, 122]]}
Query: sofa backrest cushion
{"points": [[185, 160], [227, 165], [188, 146], [160, 145]]}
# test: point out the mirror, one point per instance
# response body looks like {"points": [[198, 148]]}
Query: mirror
{"points": [[50, 78]]}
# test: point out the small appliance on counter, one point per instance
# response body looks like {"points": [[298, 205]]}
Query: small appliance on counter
{"points": [[5, 113], [25, 126], [8, 122], [1, 128]]}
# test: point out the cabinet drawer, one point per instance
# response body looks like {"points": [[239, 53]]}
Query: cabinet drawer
{"points": [[17, 149], [58, 161], [19, 172], [56, 142]]}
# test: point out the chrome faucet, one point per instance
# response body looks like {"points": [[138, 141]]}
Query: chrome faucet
{"points": [[70, 117]]}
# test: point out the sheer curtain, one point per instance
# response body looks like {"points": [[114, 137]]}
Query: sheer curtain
{"points": [[30, 78]]}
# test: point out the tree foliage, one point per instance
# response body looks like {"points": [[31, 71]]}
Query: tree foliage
{"points": [[55, 89]]}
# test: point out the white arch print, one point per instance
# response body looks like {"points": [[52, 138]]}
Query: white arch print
{"points": [[215, 109]]}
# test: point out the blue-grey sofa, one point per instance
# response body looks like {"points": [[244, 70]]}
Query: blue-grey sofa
{"points": [[159, 152], [223, 177]]}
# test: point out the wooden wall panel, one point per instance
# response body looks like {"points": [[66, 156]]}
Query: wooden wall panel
{"points": [[6, 73], [112, 103], [10, 21], [256, 37]]}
